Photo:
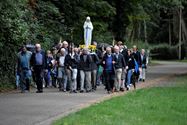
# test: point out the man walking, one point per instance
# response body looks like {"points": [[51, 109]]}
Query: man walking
{"points": [[108, 65], [24, 69], [61, 70], [38, 62], [144, 65], [85, 70], [119, 65]]}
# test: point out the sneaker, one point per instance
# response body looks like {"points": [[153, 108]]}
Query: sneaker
{"points": [[128, 87]]}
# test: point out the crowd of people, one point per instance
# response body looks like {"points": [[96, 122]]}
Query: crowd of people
{"points": [[76, 69]]}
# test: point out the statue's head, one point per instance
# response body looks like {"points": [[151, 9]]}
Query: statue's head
{"points": [[87, 19]]}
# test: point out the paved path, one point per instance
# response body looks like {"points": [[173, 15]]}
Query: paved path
{"points": [[42, 109]]}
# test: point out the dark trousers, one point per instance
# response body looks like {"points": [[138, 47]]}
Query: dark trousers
{"points": [[78, 80], [54, 80], [109, 80], [38, 71]]}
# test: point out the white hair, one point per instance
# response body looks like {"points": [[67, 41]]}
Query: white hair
{"points": [[116, 47], [62, 49], [64, 42], [38, 45]]}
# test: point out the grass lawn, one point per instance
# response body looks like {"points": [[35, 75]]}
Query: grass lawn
{"points": [[185, 60], [149, 106], [154, 63]]}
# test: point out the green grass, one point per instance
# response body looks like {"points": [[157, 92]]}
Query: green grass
{"points": [[185, 60], [154, 63], [153, 106]]}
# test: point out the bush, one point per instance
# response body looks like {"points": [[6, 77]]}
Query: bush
{"points": [[165, 52], [140, 44]]}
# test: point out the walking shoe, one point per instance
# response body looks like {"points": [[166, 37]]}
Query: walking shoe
{"points": [[122, 89], [81, 91], [128, 87], [88, 91], [39, 91], [60, 90], [74, 91]]}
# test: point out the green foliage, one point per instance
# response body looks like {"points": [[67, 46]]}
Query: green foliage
{"points": [[13, 31], [165, 52], [46, 21]]}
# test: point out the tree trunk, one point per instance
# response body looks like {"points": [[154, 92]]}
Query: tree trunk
{"points": [[180, 29], [145, 31], [139, 30], [169, 32], [184, 30]]}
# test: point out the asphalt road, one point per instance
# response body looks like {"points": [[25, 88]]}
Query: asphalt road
{"points": [[42, 108]]}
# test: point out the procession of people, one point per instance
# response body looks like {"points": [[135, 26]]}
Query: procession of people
{"points": [[80, 69]]}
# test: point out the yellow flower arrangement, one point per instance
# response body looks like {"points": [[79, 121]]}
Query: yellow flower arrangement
{"points": [[90, 47]]}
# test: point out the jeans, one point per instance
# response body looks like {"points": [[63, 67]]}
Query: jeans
{"points": [[25, 76], [62, 78], [47, 78], [17, 80], [129, 75]]}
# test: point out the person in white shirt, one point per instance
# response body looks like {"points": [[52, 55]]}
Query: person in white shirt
{"points": [[61, 70], [144, 65]]}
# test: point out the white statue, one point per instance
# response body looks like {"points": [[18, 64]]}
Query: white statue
{"points": [[88, 27]]}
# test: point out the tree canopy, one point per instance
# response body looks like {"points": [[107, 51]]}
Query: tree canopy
{"points": [[47, 21]]}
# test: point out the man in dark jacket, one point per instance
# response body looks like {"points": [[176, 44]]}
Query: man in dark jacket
{"points": [[85, 70], [108, 65], [94, 68], [130, 69], [119, 66], [38, 62], [137, 56]]}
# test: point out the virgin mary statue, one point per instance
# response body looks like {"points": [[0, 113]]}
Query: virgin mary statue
{"points": [[88, 27]]}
